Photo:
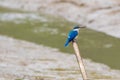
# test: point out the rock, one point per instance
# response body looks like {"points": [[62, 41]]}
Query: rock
{"points": [[29, 61]]}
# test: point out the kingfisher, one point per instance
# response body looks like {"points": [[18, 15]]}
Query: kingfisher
{"points": [[73, 34]]}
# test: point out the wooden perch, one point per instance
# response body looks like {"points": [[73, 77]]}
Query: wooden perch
{"points": [[79, 59]]}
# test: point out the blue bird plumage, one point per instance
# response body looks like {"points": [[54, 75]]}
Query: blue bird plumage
{"points": [[72, 35]]}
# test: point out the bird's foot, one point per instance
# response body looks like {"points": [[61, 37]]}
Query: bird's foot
{"points": [[74, 40]]}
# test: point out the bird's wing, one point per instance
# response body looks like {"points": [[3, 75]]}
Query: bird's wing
{"points": [[72, 35]]}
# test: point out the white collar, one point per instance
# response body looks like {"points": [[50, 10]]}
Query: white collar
{"points": [[75, 29]]}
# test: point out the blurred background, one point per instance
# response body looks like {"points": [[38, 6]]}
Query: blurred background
{"points": [[33, 33]]}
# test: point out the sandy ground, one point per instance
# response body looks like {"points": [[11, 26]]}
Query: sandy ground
{"points": [[29, 61]]}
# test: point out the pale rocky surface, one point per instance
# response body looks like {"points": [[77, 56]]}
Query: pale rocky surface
{"points": [[28, 61], [100, 15]]}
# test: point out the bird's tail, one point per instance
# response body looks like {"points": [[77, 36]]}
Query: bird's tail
{"points": [[67, 43]]}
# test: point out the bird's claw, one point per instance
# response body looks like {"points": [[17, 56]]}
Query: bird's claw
{"points": [[74, 40]]}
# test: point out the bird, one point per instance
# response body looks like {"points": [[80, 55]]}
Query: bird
{"points": [[73, 34]]}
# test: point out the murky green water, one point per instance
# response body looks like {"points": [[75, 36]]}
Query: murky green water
{"points": [[94, 45]]}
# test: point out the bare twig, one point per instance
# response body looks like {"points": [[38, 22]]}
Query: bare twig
{"points": [[79, 59]]}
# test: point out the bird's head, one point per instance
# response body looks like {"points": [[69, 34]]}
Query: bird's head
{"points": [[78, 27]]}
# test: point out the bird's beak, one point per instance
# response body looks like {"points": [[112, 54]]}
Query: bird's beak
{"points": [[82, 26]]}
